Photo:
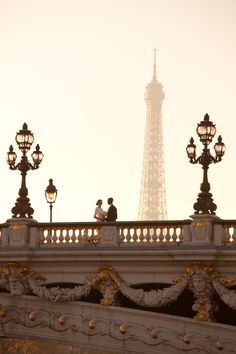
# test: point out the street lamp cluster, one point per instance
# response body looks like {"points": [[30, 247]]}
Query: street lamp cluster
{"points": [[24, 139], [206, 131]]}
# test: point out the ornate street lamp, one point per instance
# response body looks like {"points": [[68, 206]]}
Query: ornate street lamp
{"points": [[51, 196], [24, 139], [206, 131]]}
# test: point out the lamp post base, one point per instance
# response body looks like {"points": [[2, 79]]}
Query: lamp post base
{"points": [[204, 204], [22, 208]]}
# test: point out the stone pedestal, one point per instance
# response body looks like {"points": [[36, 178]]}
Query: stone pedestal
{"points": [[109, 236], [17, 234], [202, 228]]}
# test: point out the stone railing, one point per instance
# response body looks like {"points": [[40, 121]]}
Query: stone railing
{"points": [[116, 234], [200, 230], [26, 232]]}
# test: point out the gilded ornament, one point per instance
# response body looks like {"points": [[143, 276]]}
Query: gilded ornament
{"points": [[122, 328], [106, 301], [200, 223], [91, 324], [32, 316], [227, 281], [219, 345], [107, 281], [16, 226], [153, 334], [176, 280], [186, 339], [190, 268], [202, 316], [61, 320]]}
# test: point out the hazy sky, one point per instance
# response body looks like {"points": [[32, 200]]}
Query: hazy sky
{"points": [[75, 71]]}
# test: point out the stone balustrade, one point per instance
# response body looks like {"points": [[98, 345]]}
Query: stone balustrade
{"points": [[120, 234], [200, 230]]}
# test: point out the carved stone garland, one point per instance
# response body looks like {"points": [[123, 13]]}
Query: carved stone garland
{"points": [[198, 277]]}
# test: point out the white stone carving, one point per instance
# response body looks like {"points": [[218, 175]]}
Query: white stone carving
{"points": [[15, 278], [226, 295], [153, 298], [57, 294], [200, 278]]}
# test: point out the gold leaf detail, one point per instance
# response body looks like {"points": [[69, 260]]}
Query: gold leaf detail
{"points": [[16, 226], [91, 324], [122, 328], [61, 320], [106, 301], [219, 345], [200, 223], [32, 316], [153, 334], [176, 280], [186, 339]]}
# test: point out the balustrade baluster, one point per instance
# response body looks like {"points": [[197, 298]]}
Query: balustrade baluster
{"points": [[85, 236], [49, 236], [54, 236], [76, 234], [142, 236], [161, 236], [70, 234], [79, 236], [134, 234], [232, 234], [168, 232], [92, 236], [179, 233], [128, 236], [121, 235], [65, 236], [42, 237], [148, 235], [60, 237], [154, 235], [73, 237], [173, 234]]}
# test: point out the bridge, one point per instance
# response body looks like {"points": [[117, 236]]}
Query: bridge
{"points": [[123, 287]]}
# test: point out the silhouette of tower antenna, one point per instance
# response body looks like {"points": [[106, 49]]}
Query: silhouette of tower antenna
{"points": [[154, 63]]}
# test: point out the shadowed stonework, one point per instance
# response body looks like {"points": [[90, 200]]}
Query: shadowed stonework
{"points": [[15, 346]]}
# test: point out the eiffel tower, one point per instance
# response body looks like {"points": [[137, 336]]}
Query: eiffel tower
{"points": [[152, 201]]}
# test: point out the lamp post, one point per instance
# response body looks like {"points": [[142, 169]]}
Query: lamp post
{"points": [[24, 139], [206, 131], [51, 195]]}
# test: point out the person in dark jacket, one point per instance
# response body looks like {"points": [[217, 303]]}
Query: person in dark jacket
{"points": [[112, 211]]}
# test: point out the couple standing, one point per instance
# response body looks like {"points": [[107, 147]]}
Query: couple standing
{"points": [[100, 215]]}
